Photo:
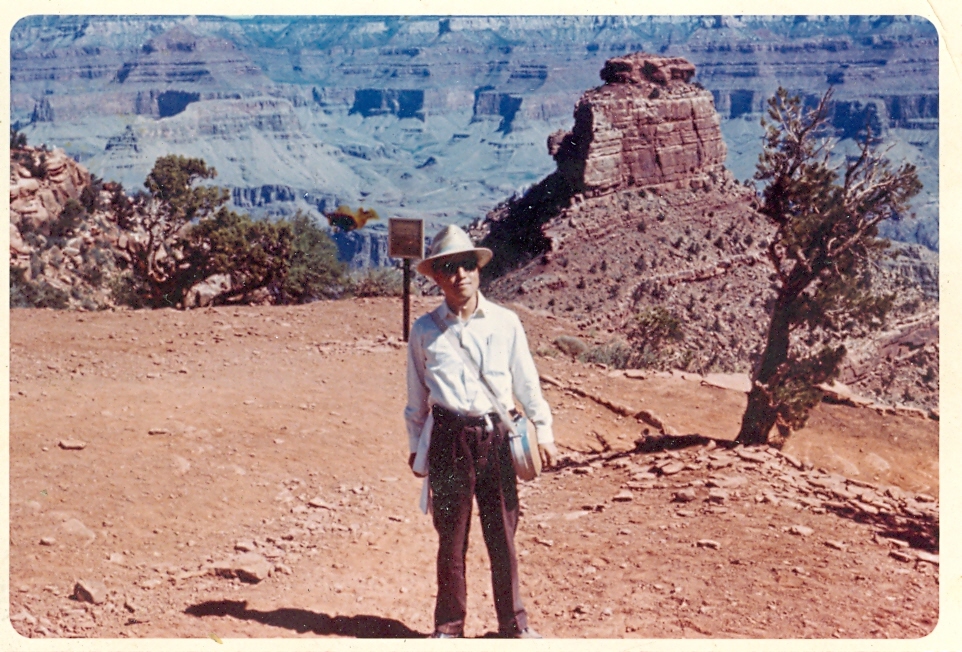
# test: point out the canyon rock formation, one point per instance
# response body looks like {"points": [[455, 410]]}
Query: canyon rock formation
{"points": [[619, 231], [647, 126], [440, 118]]}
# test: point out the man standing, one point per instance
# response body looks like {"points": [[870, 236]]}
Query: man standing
{"points": [[469, 455]]}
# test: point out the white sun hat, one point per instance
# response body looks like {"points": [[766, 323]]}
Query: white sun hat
{"points": [[449, 241]]}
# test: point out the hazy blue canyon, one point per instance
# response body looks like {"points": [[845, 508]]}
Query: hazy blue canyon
{"points": [[437, 117]]}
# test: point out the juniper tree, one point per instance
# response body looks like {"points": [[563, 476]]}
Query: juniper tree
{"points": [[826, 218], [162, 220]]}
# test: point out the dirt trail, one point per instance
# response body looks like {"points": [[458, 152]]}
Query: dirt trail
{"points": [[149, 450]]}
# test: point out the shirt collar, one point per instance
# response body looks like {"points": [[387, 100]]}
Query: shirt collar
{"points": [[480, 311]]}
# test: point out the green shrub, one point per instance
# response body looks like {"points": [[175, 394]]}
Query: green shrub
{"points": [[314, 271], [377, 282], [34, 294], [616, 354], [570, 345], [69, 219], [126, 290]]}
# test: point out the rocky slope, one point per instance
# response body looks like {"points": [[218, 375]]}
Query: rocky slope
{"points": [[643, 215]]}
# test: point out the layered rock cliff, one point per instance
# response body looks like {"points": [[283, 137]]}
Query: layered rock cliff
{"points": [[647, 126]]}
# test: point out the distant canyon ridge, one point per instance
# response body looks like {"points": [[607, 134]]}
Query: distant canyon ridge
{"points": [[443, 118]]}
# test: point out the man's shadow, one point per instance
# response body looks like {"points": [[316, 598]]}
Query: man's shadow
{"points": [[303, 621]]}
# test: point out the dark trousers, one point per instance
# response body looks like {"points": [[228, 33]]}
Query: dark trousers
{"points": [[467, 461]]}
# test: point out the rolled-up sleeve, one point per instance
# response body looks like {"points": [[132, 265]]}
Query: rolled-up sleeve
{"points": [[416, 411], [527, 385]]}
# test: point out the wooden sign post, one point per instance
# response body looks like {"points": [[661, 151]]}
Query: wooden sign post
{"points": [[406, 241]]}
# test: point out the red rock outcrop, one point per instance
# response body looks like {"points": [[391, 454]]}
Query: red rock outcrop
{"points": [[38, 200], [647, 126]]}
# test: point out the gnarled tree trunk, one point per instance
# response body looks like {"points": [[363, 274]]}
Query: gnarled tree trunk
{"points": [[761, 413]]}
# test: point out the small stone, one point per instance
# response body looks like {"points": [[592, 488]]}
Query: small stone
{"points": [[283, 568], [75, 528], [150, 584], [751, 456], [927, 557], [708, 543], [801, 530], [47, 541], [717, 496], [244, 546], [116, 558], [72, 444], [672, 468], [320, 503], [24, 616], [158, 431], [252, 567], [624, 497], [901, 556], [683, 496], [924, 498], [545, 542], [130, 605], [90, 591], [838, 545], [726, 481]]}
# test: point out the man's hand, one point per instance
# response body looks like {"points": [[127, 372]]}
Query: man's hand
{"points": [[549, 454]]}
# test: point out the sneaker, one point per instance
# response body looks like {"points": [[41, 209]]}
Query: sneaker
{"points": [[444, 635], [527, 632]]}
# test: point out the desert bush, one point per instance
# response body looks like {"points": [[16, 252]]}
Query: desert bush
{"points": [[34, 294], [69, 219], [314, 272], [616, 354], [377, 282], [571, 345], [127, 290]]}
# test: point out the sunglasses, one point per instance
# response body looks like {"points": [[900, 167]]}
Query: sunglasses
{"points": [[451, 267]]}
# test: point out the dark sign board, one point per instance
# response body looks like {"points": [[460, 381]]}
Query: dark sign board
{"points": [[405, 238]]}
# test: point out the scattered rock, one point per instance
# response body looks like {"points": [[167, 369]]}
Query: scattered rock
{"points": [[321, 504], [75, 528], [72, 444], [921, 555], [751, 456], [683, 496], [671, 468], [838, 545], [244, 546], [624, 497], [708, 543], [801, 530], [90, 591], [47, 541], [248, 567], [158, 431], [717, 496], [901, 555]]}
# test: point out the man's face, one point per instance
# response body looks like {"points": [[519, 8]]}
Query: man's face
{"points": [[458, 277]]}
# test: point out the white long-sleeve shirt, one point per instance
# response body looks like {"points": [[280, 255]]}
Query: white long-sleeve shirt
{"points": [[437, 374]]}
